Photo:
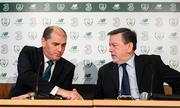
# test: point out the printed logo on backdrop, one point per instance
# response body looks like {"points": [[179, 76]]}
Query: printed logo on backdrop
{"points": [[102, 21], [74, 22], [74, 35], [102, 49], [46, 21], [33, 7], [19, 21], [102, 35], [60, 7], [74, 49], [3, 75], [145, 36], [74, 7], [130, 21], [173, 7], [88, 49], [173, 35], [5, 21], [18, 35], [116, 7], [60, 21], [144, 49], [173, 22], [102, 6], [159, 35], [4, 35], [144, 22], [33, 21], [4, 49], [116, 22], [158, 7], [173, 50], [17, 48], [100, 63], [159, 49], [4, 62], [88, 21], [47, 7], [173, 63], [130, 7], [5, 7], [19, 7], [145, 7], [88, 35], [32, 35], [88, 7], [159, 22], [87, 65]]}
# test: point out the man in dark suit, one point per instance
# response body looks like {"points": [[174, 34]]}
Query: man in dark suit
{"points": [[55, 72], [143, 73]]}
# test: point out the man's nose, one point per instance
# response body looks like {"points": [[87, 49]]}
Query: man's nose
{"points": [[59, 48]]}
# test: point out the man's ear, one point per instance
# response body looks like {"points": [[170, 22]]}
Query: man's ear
{"points": [[43, 42], [130, 47]]}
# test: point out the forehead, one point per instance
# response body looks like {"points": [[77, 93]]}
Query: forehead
{"points": [[116, 37]]}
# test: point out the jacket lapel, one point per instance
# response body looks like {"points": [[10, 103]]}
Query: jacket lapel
{"points": [[115, 75], [40, 61], [139, 66], [58, 69]]}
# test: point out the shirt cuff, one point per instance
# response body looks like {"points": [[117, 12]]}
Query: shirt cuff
{"points": [[54, 90]]}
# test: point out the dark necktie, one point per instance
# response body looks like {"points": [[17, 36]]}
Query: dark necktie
{"points": [[125, 87], [47, 73]]}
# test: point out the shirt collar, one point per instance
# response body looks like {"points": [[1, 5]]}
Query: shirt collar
{"points": [[46, 59], [130, 62]]}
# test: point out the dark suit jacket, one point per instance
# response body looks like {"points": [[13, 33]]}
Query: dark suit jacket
{"points": [[146, 66], [29, 62]]}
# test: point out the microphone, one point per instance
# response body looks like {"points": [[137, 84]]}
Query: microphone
{"points": [[148, 96]]}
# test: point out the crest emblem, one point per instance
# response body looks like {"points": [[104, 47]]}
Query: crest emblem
{"points": [[173, 63], [33, 21], [19, 7], [102, 21], [5, 35], [102, 35], [145, 7], [159, 35], [102, 7], [47, 7], [60, 7], [145, 36], [17, 48], [88, 49], [60, 21], [173, 21], [88, 35], [159, 22], [173, 50], [145, 21], [173, 35], [159, 7], [74, 35], [18, 35], [33, 7], [4, 62], [100, 62], [74, 22], [4, 49], [87, 64], [102, 49], [74, 7], [145, 49], [32, 35], [5, 21], [19, 21], [159, 49], [5, 7], [46, 21], [130, 21], [88, 21], [173, 7], [116, 22], [130, 7], [74, 49], [116, 7], [88, 7]]}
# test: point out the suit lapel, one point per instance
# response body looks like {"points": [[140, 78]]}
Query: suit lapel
{"points": [[115, 75], [40, 61], [58, 69], [139, 66]]}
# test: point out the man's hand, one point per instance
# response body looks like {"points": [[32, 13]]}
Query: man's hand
{"points": [[24, 96], [70, 95]]}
